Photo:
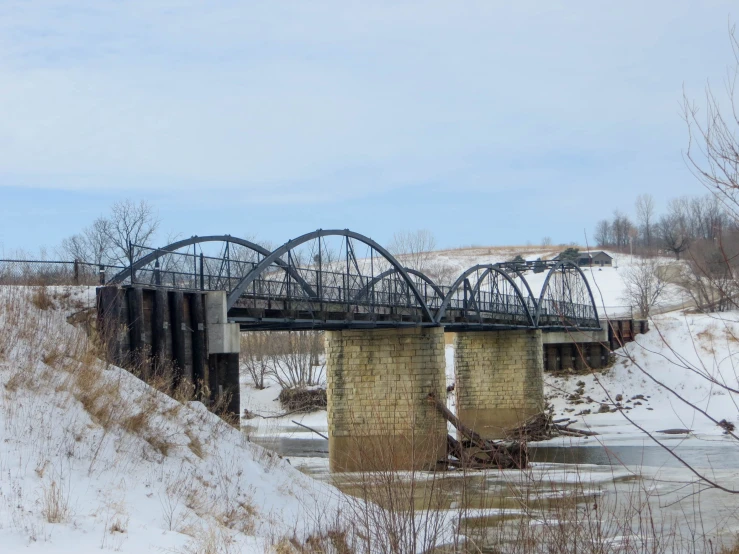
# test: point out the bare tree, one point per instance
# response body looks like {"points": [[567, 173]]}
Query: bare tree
{"points": [[713, 155], [256, 356], [130, 223], [414, 249], [643, 285], [713, 144], [673, 235], [621, 228], [92, 245], [106, 241], [710, 274], [441, 273], [603, 233], [297, 358], [645, 214], [546, 241]]}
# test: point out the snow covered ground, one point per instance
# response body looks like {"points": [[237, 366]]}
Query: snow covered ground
{"points": [[93, 458], [683, 368]]}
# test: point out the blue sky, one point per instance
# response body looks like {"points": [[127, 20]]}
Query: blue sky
{"points": [[485, 122]]}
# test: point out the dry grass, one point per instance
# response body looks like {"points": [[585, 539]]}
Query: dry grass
{"points": [[52, 357], [160, 444], [118, 526], [17, 380], [55, 503], [195, 445], [138, 424], [42, 299], [732, 548], [211, 539], [99, 397]]}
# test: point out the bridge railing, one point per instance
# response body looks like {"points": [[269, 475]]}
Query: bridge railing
{"points": [[556, 313], [491, 306], [354, 292]]}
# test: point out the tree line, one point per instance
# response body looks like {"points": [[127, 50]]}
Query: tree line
{"points": [[686, 221]]}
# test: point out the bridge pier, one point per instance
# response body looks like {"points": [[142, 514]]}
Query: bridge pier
{"points": [[378, 414], [499, 378]]}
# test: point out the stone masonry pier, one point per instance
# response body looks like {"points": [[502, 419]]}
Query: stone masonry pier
{"points": [[499, 379], [378, 415]]}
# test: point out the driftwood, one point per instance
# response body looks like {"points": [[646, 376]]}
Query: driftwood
{"points": [[542, 427], [477, 452]]}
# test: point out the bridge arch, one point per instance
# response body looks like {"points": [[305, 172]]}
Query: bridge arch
{"points": [[499, 296], [153, 256], [566, 299], [286, 248], [436, 298]]}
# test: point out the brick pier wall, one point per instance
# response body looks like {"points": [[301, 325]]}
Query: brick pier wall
{"points": [[499, 379], [378, 415]]}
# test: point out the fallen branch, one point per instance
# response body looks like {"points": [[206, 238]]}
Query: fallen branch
{"points": [[477, 452], [310, 429], [252, 415]]}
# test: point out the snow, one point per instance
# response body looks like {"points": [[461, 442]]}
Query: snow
{"points": [[179, 479], [690, 355]]}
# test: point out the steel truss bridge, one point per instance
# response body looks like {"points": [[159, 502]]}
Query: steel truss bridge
{"points": [[339, 279]]}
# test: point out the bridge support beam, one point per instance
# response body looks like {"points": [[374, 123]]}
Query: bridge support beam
{"points": [[378, 414], [499, 379]]}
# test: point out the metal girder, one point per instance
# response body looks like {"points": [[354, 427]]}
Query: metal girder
{"points": [[289, 245], [409, 271], [571, 297], [460, 282], [159, 252], [563, 266]]}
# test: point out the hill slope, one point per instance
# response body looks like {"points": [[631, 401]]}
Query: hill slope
{"points": [[94, 458]]}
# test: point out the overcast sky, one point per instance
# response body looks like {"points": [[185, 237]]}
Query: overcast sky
{"points": [[486, 122]]}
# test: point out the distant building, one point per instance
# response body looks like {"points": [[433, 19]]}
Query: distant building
{"points": [[600, 259]]}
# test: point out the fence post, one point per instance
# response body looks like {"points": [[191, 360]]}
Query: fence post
{"points": [[157, 274], [101, 271], [202, 274], [76, 272]]}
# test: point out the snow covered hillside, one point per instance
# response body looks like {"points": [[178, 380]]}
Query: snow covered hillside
{"points": [[93, 458], [684, 359]]}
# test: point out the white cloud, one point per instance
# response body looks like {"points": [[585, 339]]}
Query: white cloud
{"points": [[342, 98]]}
